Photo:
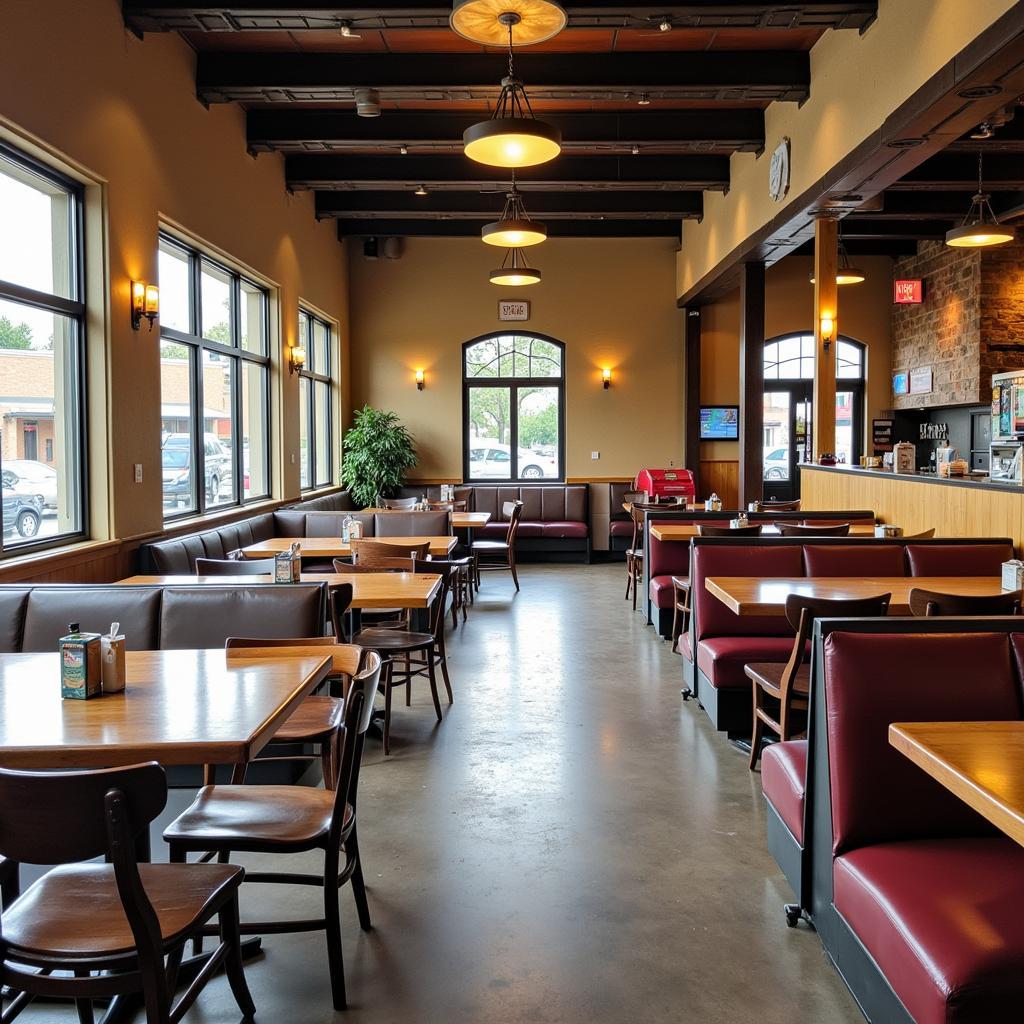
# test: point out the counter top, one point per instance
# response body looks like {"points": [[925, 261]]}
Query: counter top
{"points": [[983, 484]]}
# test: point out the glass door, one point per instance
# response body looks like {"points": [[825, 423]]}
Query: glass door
{"points": [[779, 435]]}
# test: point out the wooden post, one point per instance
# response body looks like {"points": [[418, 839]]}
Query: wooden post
{"points": [[751, 382], [692, 359], [826, 308]]}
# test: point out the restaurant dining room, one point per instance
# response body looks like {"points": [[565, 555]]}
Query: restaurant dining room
{"points": [[513, 512]]}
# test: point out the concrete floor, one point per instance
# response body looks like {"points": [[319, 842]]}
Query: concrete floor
{"points": [[572, 844]]}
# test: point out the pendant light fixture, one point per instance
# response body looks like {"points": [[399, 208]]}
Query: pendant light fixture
{"points": [[512, 137], [514, 270], [480, 21], [514, 229], [846, 272], [980, 228]]}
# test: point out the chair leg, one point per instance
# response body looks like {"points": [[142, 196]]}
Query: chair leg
{"points": [[676, 628], [635, 582], [758, 733], [629, 575], [84, 1006], [408, 681], [387, 710], [332, 922], [231, 936], [327, 762], [512, 566], [358, 885], [433, 683]]}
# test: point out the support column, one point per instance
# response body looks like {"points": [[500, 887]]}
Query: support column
{"points": [[692, 393], [826, 308], [751, 474]]}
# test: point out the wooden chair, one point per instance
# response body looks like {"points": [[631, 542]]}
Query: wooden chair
{"points": [[10, 885], [931, 602], [368, 552], [635, 551], [110, 926], [460, 570], [800, 530], [505, 550], [406, 643], [730, 531], [294, 820], [787, 686], [399, 504], [318, 719], [447, 506], [680, 609], [234, 566], [771, 505]]}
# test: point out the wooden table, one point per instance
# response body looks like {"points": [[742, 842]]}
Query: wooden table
{"points": [[180, 707], [980, 762], [369, 590], [684, 531], [745, 595], [335, 547]]}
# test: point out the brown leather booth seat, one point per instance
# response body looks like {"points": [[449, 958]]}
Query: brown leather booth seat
{"points": [[34, 617], [620, 522], [555, 517]]}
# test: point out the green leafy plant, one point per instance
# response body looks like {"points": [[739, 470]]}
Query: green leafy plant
{"points": [[378, 450]]}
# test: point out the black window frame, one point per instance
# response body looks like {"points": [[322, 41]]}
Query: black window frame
{"points": [[314, 375], [194, 340], [73, 308], [513, 384]]}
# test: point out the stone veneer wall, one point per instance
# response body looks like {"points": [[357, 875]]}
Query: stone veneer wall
{"points": [[974, 300]]}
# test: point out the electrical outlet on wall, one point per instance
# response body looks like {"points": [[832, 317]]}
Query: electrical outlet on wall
{"points": [[138, 472]]}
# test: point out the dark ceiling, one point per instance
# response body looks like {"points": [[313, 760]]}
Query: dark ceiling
{"points": [[628, 167]]}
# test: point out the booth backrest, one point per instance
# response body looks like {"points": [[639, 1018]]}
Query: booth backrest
{"points": [[957, 559], [178, 554], [854, 560], [712, 617], [873, 679], [339, 501], [671, 557], [551, 503], [616, 498], [48, 613], [13, 602], [331, 524], [412, 524]]}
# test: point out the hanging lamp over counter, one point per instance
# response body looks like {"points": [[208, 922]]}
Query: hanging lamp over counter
{"points": [[514, 229], [980, 228], [514, 270], [846, 272]]}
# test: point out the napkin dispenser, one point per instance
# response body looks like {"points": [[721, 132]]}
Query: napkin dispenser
{"points": [[288, 565], [1013, 575]]}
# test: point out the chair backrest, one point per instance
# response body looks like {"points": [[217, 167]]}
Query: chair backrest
{"points": [[446, 571], [448, 506], [932, 602], [730, 531], [513, 510], [366, 552], [771, 505], [404, 504], [803, 530], [234, 566], [358, 712], [376, 563], [347, 657]]}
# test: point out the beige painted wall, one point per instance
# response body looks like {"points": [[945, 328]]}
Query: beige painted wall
{"points": [[123, 112], [865, 312], [856, 82], [611, 302]]}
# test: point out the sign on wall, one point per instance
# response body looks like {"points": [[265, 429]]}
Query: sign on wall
{"points": [[513, 309], [900, 383], [934, 431], [908, 291], [881, 435], [921, 380]]}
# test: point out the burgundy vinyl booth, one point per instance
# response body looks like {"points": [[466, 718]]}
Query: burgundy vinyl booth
{"points": [[725, 642], [854, 560], [957, 559], [917, 899], [665, 559]]}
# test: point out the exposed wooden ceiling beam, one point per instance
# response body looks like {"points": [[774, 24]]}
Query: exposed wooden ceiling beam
{"points": [[958, 171], [294, 16], [436, 227], [684, 131], [632, 173], [707, 76], [483, 206]]}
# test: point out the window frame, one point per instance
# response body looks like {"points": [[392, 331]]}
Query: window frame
{"points": [[314, 376], [513, 384], [74, 309], [193, 339]]}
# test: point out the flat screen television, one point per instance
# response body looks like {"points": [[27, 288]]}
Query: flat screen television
{"points": [[719, 422]]}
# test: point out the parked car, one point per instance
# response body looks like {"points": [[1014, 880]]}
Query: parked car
{"points": [[217, 464], [22, 513], [492, 459], [176, 464], [776, 464], [26, 476]]}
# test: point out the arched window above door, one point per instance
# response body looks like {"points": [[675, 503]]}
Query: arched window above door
{"points": [[791, 357]]}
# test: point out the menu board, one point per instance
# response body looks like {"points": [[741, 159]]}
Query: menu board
{"points": [[881, 435]]}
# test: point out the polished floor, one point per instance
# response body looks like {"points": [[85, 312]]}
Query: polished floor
{"points": [[572, 844]]}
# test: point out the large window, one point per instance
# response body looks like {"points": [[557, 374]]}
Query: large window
{"points": [[513, 408], [214, 384], [42, 355], [316, 436]]}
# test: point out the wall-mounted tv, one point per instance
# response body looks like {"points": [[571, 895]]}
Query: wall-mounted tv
{"points": [[719, 422]]}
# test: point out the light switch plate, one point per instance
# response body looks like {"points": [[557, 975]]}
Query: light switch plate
{"points": [[595, 455], [138, 472]]}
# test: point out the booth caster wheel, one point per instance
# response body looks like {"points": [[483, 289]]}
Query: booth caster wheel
{"points": [[793, 913]]}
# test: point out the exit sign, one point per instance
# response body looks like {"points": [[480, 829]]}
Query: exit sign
{"points": [[514, 309], [908, 291]]}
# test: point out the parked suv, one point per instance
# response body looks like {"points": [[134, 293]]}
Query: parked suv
{"points": [[29, 477], [22, 513], [491, 459], [177, 466]]}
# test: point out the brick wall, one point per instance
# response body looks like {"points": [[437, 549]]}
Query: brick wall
{"points": [[974, 302]]}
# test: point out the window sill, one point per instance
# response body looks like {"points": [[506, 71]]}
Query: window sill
{"points": [[188, 523], [48, 558]]}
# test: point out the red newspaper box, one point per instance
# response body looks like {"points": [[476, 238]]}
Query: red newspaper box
{"points": [[666, 484]]}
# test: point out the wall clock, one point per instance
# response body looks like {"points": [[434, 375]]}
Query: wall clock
{"points": [[778, 171]]}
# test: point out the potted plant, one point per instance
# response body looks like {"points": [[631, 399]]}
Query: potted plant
{"points": [[378, 451]]}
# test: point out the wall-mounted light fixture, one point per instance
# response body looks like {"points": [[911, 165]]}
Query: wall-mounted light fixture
{"points": [[828, 326], [296, 358], [145, 303], [606, 378], [419, 380]]}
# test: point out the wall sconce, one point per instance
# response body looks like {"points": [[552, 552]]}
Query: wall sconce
{"points": [[419, 380], [296, 358], [145, 303], [606, 378], [828, 327]]}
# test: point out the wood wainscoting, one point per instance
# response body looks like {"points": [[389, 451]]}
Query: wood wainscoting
{"points": [[722, 477]]}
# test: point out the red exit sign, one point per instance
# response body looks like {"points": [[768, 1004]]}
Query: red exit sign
{"points": [[908, 291]]}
